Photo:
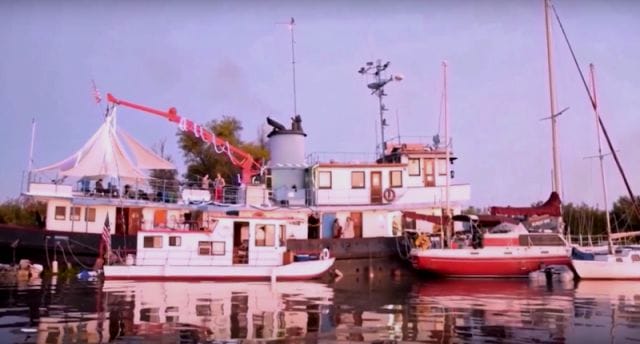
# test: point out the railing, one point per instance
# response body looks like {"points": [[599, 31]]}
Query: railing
{"points": [[152, 190]]}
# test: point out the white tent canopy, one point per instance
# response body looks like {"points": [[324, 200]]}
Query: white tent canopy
{"points": [[105, 155]]}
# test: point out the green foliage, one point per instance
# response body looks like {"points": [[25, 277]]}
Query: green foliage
{"points": [[624, 215], [584, 219], [201, 159], [22, 212]]}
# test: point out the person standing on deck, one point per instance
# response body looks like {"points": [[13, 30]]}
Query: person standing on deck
{"points": [[348, 229], [218, 184], [205, 182], [336, 229]]}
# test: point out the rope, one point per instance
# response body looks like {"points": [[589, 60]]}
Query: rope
{"points": [[46, 251], [595, 107], [76, 258], [63, 254], [81, 244]]}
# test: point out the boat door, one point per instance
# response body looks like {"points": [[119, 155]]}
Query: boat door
{"points": [[327, 225], [240, 242], [128, 220], [429, 172], [356, 217], [376, 187]]}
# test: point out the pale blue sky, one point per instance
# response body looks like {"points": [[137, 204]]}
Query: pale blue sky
{"points": [[217, 58]]}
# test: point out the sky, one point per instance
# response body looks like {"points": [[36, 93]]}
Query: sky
{"points": [[211, 59]]}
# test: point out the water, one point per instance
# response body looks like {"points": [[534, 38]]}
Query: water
{"points": [[402, 309]]}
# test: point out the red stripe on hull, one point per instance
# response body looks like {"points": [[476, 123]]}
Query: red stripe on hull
{"points": [[489, 267]]}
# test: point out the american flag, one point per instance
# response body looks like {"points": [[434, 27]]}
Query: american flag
{"points": [[96, 93], [106, 234]]}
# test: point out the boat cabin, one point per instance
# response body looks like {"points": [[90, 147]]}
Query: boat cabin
{"points": [[228, 241]]}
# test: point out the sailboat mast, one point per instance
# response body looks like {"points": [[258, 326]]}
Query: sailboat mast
{"points": [[600, 155], [552, 102], [447, 150]]}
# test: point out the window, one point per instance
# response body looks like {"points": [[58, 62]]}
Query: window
{"points": [[74, 213], [152, 241], [265, 235], [283, 235], [204, 248], [211, 248], [442, 167], [414, 167], [90, 215], [218, 248], [61, 213], [324, 179], [357, 179], [395, 179], [175, 241]]}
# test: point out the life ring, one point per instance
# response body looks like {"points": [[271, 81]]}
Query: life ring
{"points": [[324, 255], [389, 195]]}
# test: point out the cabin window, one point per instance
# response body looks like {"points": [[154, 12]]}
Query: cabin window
{"points": [[324, 179], [61, 213], [414, 167], [175, 241], [283, 235], [395, 179], [357, 179], [211, 248], [74, 213], [265, 235], [152, 241], [90, 214], [442, 167]]}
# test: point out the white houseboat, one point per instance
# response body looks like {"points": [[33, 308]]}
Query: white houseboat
{"points": [[228, 248], [313, 192]]}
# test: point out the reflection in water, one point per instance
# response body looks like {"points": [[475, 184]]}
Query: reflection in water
{"points": [[346, 311]]}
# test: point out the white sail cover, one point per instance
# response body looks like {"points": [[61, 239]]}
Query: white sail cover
{"points": [[104, 155]]}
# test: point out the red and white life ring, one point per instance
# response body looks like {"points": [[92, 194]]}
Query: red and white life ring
{"points": [[389, 195]]}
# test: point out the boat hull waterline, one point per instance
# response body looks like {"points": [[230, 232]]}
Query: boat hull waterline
{"points": [[294, 271], [486, 262]]}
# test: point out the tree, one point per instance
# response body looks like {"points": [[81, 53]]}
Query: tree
{"points": [[202, 159], [23, 212], [584, 219], [624, 215]]}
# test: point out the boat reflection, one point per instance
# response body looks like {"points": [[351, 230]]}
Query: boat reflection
{"points": [[214, 311], [607, 311], [452, 310]]}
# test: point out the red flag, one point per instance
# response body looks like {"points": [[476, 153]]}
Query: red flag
{"points": [[96, 93]]}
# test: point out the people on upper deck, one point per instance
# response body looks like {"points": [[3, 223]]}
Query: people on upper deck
{"points": [[218, 184], [205, 182], [128, 192], [100, 190]]}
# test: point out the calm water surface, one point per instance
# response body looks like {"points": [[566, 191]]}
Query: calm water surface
{"points": [[384, 309]]}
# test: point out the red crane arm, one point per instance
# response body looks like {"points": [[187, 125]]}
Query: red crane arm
{"points": [[238, 157]]}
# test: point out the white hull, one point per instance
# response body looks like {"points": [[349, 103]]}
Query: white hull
{"points": [[294, 271], [607, 269]]}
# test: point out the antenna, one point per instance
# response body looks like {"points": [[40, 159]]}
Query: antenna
{"points": [[377, 88], [291, 24]]}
